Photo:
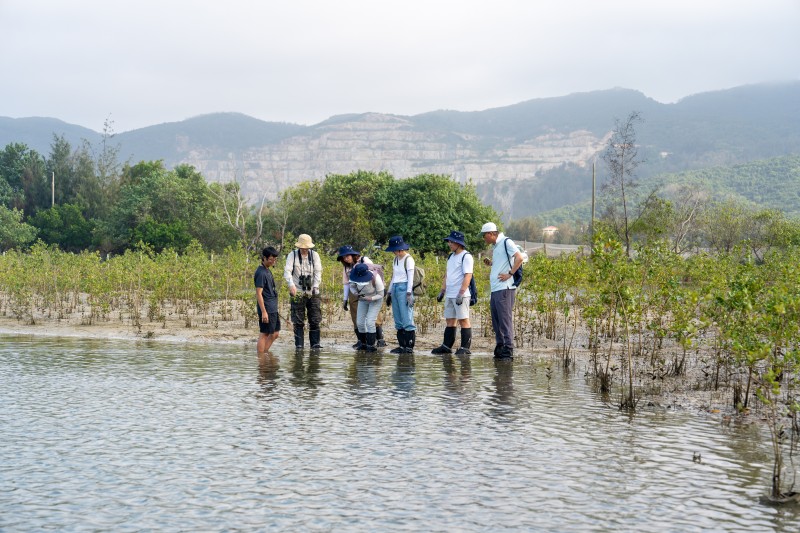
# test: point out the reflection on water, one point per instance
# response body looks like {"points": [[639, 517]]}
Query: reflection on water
{"points": [[404, 377], [116, 436]]}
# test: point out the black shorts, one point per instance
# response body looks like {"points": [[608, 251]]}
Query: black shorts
{"points": [[273, 326]]}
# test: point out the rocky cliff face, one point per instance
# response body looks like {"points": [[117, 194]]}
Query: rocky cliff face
{"points": [[379, 142]]}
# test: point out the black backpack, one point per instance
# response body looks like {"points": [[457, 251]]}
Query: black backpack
{"points": [[518, 273], [473, 288]]}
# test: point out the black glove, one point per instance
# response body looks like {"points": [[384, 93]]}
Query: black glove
{"points": [[441, 296], [345, 305], [389, 299], [460, 298]]}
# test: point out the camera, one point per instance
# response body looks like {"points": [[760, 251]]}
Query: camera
{"points": [[305, 282]]}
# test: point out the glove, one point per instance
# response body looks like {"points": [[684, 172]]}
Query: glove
{"points": [[315, 292], [460, 298], [345, 305], [410, 299], [389, 299], [441, 296]]}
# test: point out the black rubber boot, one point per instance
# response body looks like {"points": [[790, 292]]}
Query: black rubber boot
{"points": [[299, 338], [370, 342], [362, 341], [313, 339], [505, 352], [466, 341], [358, 344], [401, 341], [411, 339], [380, 343], [449, 340]]}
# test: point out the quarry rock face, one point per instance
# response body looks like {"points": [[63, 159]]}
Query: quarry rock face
{"points": [[377, 142]]}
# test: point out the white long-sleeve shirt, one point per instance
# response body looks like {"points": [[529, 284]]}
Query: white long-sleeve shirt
{"points": [[297, 265]]}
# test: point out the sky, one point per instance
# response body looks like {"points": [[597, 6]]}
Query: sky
{"points": [[145, 62]]}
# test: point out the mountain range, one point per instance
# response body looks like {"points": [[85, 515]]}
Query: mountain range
{"points": [[524, 159]]}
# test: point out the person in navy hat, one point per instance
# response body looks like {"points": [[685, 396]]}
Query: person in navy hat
{"points": [[368, 287], [401, 295], [349, 257], [455, 292]]}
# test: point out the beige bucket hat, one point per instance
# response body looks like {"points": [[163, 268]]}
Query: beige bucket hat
{"points": [[304, 241]]}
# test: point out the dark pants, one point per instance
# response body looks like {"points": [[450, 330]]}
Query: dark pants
{"points": [[301, 304], [501, 305]]}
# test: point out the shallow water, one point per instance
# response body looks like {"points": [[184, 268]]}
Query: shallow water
{"points": [[99, 435]]}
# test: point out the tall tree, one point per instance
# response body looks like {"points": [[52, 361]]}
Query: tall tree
{"points": [[622, 158], [60, 163]]}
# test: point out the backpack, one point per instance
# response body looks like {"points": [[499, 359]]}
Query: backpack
{"points": [[473, 288], [374, 268], [418, 285], [518, 273]]}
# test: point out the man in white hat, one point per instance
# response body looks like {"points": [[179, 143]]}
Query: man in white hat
{"points": [[303, 275], [506, 260]]}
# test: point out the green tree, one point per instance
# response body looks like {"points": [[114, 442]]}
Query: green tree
{"points": [[425, 208], [60, 163], [23, 171], [14, 233], [65, 226]]}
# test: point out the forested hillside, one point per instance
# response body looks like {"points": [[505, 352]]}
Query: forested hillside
{"points": [[767, 184]]}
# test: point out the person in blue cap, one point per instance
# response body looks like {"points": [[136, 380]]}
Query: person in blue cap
{"points": [[401, 295], [455, 292], [367, 286], [349, 258]]}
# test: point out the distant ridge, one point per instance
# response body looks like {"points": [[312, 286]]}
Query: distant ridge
{"points": [[524, 158]]}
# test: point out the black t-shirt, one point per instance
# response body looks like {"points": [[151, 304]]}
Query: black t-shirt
{"points": [[263, 278]]}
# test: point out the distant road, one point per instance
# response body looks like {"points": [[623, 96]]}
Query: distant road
{"points": [[552, 250]]}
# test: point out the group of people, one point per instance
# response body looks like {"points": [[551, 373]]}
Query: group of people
{"points": [[364, 292]]}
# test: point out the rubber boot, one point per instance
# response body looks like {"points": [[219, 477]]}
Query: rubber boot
{"points": [[371, 342], [380, 343], [358, 344], [362, 341], [411, 339], [466, 341], [313, 339], [298, 338], [449, 340], [506, 352], [401, 341]]}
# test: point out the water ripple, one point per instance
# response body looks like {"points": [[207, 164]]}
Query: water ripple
{"points": [[128, 437]]}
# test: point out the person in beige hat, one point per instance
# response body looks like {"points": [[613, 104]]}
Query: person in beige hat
{"points": [[303, 275]]}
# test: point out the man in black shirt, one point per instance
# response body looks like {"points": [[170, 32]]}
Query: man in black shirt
{"points": [[269, 322]]}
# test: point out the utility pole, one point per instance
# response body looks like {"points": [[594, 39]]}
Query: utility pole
{"points": [[591, 225], [53, 190]]}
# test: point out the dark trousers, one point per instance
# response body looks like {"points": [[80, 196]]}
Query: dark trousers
{"points": [[501, 305], [300, 304]]}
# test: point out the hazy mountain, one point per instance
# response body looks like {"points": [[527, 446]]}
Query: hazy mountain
{"points": [[524, 158]]}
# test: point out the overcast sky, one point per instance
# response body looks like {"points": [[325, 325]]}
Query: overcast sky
{"points": [[145, 62]]}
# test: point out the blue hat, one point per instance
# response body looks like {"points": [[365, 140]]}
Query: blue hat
{"points": [[456, 237], [347, 250], [361, 273], [396, 243]]}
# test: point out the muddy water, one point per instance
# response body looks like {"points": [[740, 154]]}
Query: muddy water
{"points": [[128, 436]]}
